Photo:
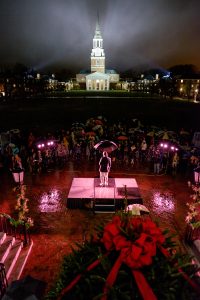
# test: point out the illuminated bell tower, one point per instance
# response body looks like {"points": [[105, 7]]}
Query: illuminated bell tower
{"points": [[97, 55]]}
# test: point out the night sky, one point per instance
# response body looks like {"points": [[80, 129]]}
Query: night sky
{"points": [[59, 33]]}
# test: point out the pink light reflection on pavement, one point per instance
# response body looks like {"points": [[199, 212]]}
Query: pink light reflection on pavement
{"points": [[163, 202], [50, 202]]}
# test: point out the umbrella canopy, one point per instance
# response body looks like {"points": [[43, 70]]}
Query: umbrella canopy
{"points": [[122, 138], [96, 127], [11, 145], [98, 122], [106, 145], [101, 118], [183, 132], [131, 130], [78, 124], [151, 133], [167, 135], [15, 131], [120, 133], [90, 133]]}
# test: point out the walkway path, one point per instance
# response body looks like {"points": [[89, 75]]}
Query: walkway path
{"points": [[57, 228]]}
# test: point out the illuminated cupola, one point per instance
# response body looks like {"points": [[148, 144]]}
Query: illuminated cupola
{"points": [[97, 55]]}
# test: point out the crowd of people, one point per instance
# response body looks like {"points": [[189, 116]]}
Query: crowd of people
{"points": [[159, 151]]}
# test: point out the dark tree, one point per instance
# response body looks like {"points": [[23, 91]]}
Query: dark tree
{"points": [[184, 71], [64, 74]]}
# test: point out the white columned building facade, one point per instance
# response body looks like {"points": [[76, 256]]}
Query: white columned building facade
{"points": [[97, 81]]}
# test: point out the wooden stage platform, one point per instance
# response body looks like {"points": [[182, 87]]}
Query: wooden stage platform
{"points": [[87, 190]]}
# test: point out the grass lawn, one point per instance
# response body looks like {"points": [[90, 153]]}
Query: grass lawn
{"points": [[59, 112]]}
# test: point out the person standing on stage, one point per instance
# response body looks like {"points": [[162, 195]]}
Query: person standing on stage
{"points": [[104, 168]]}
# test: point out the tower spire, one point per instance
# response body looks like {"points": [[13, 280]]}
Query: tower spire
{"points": [[97, 24], [97, 31], [97, 55]]}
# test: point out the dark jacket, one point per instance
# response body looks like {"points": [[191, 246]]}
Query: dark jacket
{"points": [[104, 164]]}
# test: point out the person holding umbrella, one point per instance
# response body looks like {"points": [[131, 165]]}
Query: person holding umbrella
{"points": [[106, 147], [104, 168]]}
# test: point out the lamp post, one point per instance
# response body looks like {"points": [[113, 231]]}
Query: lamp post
{"points": [[197, 175], [18, 176]]}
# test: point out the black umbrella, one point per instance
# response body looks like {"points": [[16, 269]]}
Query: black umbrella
{"points": [[78, 126], [106, 145], [25, 288]]}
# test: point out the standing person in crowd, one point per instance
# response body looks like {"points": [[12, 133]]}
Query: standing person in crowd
{"points": [[132, 155], [156, 162], [104, 168], [16, 163], [31, 141], [143, 151], [175, 162]]}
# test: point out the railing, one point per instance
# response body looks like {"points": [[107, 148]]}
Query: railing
{"points": [[20, 231], [191, 234], [3, 280]]}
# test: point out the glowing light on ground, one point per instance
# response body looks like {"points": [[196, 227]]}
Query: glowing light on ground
{"points": [[163, 202], [50, 202]]}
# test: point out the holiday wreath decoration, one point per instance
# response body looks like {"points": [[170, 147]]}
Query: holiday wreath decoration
{"points": [[129, 258]]}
